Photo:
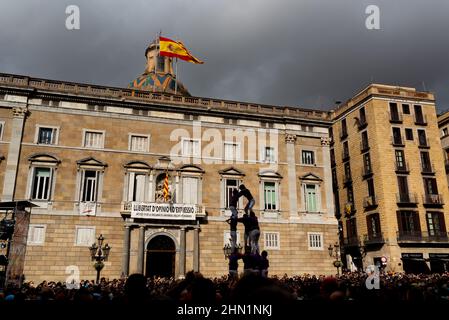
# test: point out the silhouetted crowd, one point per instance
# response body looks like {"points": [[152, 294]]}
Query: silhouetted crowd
{"points": [[196, 289]]}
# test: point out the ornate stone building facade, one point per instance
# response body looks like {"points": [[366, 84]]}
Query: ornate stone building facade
{"points": [[94, 159]]}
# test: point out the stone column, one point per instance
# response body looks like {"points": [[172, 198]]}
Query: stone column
{"points": [[182, 251], [12, 162], [327, 180], [196, 249], [126, 248], [290, 140], [141, 250]]}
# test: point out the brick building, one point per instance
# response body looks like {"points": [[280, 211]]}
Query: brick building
{"points": [[389, 180]]}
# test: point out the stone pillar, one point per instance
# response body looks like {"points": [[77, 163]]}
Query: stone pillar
{"points": [[126, 248], [196, 249], [141, 250], [290, 140], [12, 162], [182, 252], [327, 180]]}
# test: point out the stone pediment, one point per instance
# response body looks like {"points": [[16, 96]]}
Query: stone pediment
{"points": [[191, 168], [136, 164], [311, 177], [269, 174], [231, 171], [91, 162], [43, 158]]}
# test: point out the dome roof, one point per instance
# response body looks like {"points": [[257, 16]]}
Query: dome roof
{"points": [[158, 82]]}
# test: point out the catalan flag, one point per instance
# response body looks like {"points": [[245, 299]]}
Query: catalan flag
{"points": [[166, 191], [176, 49]]}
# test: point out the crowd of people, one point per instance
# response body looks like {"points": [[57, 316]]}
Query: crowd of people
{"points": [[254, 285], [195, 288]]}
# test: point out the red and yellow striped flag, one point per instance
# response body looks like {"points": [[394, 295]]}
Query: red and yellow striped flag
{"points": [[166, 191], [176, 49]]}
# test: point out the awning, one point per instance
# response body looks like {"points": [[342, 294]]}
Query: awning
{"points": [[16, 204]]}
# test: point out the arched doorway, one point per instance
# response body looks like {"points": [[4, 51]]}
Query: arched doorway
{"points": [[161, 252]]}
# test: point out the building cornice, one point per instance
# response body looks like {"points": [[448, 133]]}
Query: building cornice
{"points": [[145, 100]]}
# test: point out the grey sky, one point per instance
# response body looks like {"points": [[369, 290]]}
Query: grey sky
{"points": [[300, 53]]}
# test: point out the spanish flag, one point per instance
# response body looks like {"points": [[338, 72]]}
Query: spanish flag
{"points": [[176, 49], [166, 191]]}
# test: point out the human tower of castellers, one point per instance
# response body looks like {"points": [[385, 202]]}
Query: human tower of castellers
{"points": [[254, 262]]}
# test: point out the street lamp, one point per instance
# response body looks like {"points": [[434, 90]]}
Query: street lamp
{"points": [[99, 253], [334, 251], [227, 249]]}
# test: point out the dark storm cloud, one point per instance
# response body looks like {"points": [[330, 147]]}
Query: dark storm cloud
{"points": [[304, 53]]}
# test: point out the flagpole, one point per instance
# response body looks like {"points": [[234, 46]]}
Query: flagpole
{"points": [[176, 76], [155, 62]]}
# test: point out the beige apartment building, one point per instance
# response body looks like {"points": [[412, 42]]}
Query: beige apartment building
{"points": [[94, 160], [443, 125], [390, 187]]}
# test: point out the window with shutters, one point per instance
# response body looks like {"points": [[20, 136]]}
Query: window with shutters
{"points": [[139, 143], [408, 222], [190, 190], [89, 186], [308, 157], [93, 139], [268, 155], [271, 240], [230, 185], [315, 240], [190, 148], [84, 236], [436, 224], [36, 234], [2, 126], [270, 195], [136, 186], [311, 198], [231, 151], [373, 224], [227, 238], [41, 183], [46, 135]]}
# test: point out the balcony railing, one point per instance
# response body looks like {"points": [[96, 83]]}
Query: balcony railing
{"points": [[422, 236], [421, 120], [423, 143], [409, 236], [364, 146], [406, 198], [375, 238], [347, 179], [395, 117], [427, 168], [351, 241], [397, 141], [402, 167], [367, 172], [362, 123], [433, 199], [369, 202]]}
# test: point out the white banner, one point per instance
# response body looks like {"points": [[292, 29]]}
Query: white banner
{"points": [[88, 208], [175, 211]]}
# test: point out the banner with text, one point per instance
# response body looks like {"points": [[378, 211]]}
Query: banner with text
{"points": [[175, 211]]}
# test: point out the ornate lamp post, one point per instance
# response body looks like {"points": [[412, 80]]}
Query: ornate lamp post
{"points": [[99, 253], [227, 249], [334, 251]]}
